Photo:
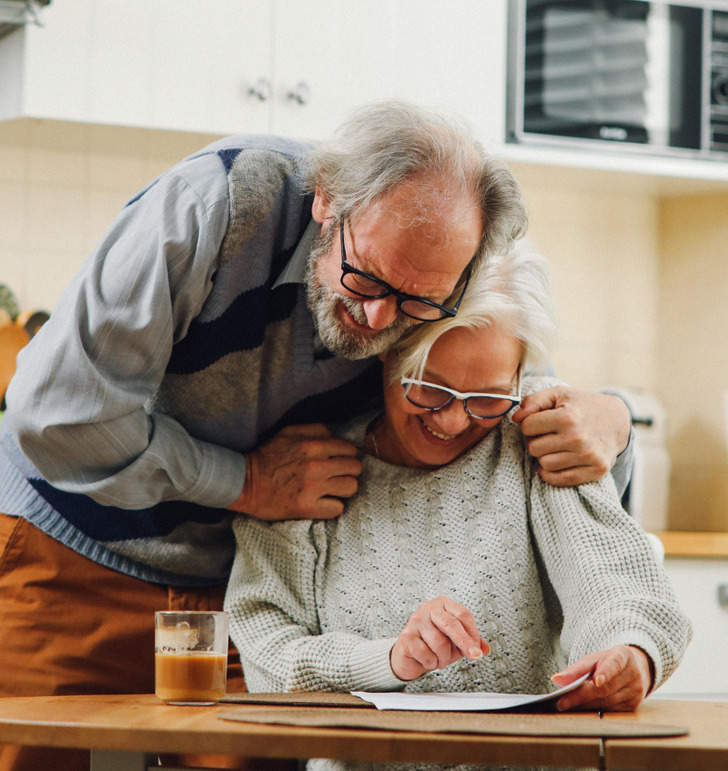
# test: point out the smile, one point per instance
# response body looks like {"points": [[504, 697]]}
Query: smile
{"points": [[349, 319], [437, 434]]}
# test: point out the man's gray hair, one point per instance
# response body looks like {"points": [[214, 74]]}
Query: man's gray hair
{"points": [[510, 292], [386, 143]]}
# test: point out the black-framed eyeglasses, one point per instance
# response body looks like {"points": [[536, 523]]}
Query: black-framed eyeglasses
{"points": [[483, 406], [366, 285]]}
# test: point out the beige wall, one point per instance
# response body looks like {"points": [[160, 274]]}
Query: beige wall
{"points": [[641, 282], [641, 285], [61, 185], [602, 244], [693, 356]]}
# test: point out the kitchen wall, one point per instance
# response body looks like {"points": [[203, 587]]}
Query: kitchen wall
{"points": [[641, 285], [639, 280], [693, 356], [61, 185], [602, 242]]}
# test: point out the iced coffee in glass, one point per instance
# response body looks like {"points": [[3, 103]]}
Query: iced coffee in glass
{"points": [[190, 655]]}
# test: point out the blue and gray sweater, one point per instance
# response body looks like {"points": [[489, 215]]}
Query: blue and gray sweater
{"points": [[178, 347]]}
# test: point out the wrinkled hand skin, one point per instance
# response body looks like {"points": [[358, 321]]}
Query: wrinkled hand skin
{"points": [[302, 473], [438, 633], [621, 679], [574, 434]]}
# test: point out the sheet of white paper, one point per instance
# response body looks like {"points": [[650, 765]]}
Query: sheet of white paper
{"points": [[461, 702]]}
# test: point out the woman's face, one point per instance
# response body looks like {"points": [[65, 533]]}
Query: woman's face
{"points": [[467, 360]]}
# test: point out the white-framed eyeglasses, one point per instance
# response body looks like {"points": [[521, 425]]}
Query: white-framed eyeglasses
{"points": [[483, 406]]}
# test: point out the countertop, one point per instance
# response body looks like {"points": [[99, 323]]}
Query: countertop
{"points": [[694, 544]]}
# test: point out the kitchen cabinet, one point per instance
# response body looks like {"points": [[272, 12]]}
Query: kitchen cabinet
{"points": [[285, 66], [445, 53], [202, 66], [701, 586], [44, 70], [293, 67], [170, 64]]}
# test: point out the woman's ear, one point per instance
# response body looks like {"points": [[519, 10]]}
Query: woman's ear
{"points": [[321, 206]]}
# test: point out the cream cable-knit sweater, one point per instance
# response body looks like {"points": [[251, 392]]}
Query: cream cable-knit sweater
{"points": [[550, 574]]}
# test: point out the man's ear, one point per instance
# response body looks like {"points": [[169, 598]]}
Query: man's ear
{"points": [[321, 207]]}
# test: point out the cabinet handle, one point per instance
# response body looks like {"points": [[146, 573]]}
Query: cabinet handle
{"points": [[301, 93], [723, 595], [260, 89]]}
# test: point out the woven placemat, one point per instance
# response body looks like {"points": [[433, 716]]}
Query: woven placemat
{"points": [[515, 724]]}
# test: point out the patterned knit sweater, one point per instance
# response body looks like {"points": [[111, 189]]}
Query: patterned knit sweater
{"points": [[175, 350], [550, 574]]}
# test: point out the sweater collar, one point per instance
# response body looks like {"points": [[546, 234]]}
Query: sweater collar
{"points": [[295, 270]]}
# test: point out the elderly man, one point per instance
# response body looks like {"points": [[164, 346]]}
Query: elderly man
{"points": [[235, 305]]}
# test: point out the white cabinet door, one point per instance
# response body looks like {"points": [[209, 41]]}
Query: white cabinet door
{"points": [[184, 65], [444, 53], [44, 70], [118, 82], [450, 54], [703, 670], [206, 58]]}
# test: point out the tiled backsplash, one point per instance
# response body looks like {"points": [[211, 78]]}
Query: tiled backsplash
{"points": [[641, 283], [61, 185]]}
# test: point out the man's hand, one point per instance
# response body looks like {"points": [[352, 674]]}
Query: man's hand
{"points": [[621, 678], [575, 435], [437, 634], [302, 473]]}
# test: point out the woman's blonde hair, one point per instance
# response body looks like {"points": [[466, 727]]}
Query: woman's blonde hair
{"points": [[510, 292]]}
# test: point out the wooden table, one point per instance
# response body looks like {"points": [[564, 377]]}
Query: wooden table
{"points": [[705, 748], [126, 732]]}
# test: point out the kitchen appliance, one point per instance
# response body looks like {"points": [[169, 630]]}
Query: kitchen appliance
{"points": [[649, 76], [647, 495]]}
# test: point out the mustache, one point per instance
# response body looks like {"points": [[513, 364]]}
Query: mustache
{"points": [[354, 307]]}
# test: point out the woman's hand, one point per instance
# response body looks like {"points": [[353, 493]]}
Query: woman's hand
{"points": [[621, 678], [438, 633]]}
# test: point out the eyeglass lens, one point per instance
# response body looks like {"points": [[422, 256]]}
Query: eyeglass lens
{"points": [[432, 398], [371, 287]]}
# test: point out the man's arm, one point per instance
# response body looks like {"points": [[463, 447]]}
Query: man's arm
{"points": [[76, 404], [577, 436], [302, 473]]}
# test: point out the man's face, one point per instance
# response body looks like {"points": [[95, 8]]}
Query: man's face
{"points": [[348, 340], [389, 240]]}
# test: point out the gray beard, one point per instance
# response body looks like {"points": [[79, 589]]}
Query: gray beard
{"points": [[323, 301]]}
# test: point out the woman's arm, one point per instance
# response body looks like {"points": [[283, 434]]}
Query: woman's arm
{"points": [[611, 588], [274, 620]]}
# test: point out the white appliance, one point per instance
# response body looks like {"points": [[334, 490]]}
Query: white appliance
{"points": [[647, 496]]}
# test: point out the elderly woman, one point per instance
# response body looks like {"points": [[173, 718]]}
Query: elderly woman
{"points": [[454, 547]]}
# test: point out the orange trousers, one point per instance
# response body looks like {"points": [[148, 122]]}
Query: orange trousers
{"points": [[71, 626]]}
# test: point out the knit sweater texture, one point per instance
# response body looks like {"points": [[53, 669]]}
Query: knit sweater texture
{"points": [[550, 574], [240, 365]]}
